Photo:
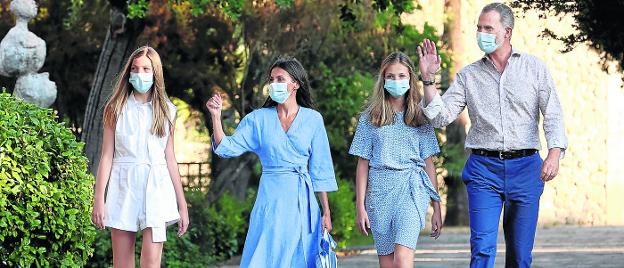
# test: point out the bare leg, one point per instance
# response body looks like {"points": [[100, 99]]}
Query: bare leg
{"points": [[123, 248], [403, 256], [151, 252], [385, 261]]}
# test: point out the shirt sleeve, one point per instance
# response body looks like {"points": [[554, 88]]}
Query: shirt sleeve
{"points": [[427, 142], [442, 111], [172, 114], [320, 166], [362, 144], [243, 140], [550, 108]]}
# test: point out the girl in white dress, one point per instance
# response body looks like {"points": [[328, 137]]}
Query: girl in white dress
{"points": [[138, 163]]}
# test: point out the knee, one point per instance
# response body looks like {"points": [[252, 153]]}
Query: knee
{"points": [[150, 260], [484, 251], [483, 248], [403, 259], [484, 243]]}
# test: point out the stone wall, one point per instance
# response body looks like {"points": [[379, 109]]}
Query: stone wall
{"points": [[590, 187]]}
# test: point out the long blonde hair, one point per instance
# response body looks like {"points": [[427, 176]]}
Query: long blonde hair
{"points": [[378, 106], [122, 90]]}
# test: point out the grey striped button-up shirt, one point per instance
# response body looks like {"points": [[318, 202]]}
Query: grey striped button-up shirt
{"points": [[504, 109]]}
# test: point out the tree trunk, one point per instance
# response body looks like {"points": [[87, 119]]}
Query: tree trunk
{"points": [[457, 200], [119, 43], [231, 175], [234, 175]]}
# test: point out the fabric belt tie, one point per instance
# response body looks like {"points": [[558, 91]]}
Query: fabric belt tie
{"points": [[417, 177], [305, 191], [153, 187]]}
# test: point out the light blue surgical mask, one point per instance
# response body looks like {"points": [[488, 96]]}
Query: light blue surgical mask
{"points": [[397, 88], [487, 42], [142, 82], [279, 92]]}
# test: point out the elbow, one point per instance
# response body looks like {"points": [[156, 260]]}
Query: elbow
{"points": [[438, 123]]}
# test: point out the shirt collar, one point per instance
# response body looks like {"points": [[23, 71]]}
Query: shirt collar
{"points": [[132, 100], [514, 53]]}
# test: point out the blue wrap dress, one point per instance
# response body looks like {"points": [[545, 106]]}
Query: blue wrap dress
{"points": [[285, 225], [398, 189]]}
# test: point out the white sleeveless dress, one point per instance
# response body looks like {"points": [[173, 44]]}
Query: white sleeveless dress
{"points": [[140, 191]]}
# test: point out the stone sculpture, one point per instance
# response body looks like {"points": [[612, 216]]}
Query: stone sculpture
{"points": [[22, 54]]}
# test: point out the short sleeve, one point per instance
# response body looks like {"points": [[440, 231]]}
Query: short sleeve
{"points": [[362, 144], [427, 142], [321, 166], [243, 140], [173, 111]]}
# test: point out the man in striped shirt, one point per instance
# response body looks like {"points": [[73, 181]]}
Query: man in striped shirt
{"points": [[504, 92]]}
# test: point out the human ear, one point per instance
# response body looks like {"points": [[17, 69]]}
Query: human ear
{"points": [[508, 32]]}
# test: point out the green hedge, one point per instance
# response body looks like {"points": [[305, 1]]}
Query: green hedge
{"points": [[217, 232], [45, 190], [342, 205]]}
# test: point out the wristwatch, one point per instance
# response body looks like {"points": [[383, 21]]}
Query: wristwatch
{"points": [[426, 82]]}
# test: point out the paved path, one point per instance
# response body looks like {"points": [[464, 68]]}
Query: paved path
{"points": [[563, 246]]}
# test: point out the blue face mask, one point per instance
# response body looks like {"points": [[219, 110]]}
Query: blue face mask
{"points": [[397, 88], [142, 82], [487, 42], [279, 92]]}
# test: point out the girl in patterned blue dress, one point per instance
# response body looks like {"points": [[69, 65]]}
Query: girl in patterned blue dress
{"points": [[395, 176]]}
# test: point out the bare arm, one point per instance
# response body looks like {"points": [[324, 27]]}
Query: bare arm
{"points": [[102, 176], [214, 106], [430, 92], [361, 183], [429, 63], [436, 218], [439, 112], [326, 212], [174, 173]]}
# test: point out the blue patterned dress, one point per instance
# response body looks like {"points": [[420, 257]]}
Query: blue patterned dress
{"points": [[285, 225], [399, 190]]}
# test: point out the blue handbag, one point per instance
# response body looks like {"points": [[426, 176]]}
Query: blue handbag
{"points": [[327, 256]]}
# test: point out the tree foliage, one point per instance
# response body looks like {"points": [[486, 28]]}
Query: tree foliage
{"points": [[598, 23], [226, 47]]}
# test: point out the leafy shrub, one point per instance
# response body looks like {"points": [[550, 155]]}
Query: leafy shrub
{"points": [[45, 190], [342, 206], [217, 232]]}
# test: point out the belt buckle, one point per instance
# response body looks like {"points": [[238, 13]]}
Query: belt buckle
{"points": [[500, 155]]}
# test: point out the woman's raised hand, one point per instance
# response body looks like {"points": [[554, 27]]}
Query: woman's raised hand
{"points": [[214, 105]]}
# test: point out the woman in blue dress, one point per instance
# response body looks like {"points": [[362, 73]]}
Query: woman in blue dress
{"points": [[395, 174], [289, 138]]}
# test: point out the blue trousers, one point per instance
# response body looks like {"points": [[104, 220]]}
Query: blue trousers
{"points": [[492, 184]]}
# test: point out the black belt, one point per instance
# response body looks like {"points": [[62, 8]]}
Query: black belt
{"points": [[506, 154]]}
